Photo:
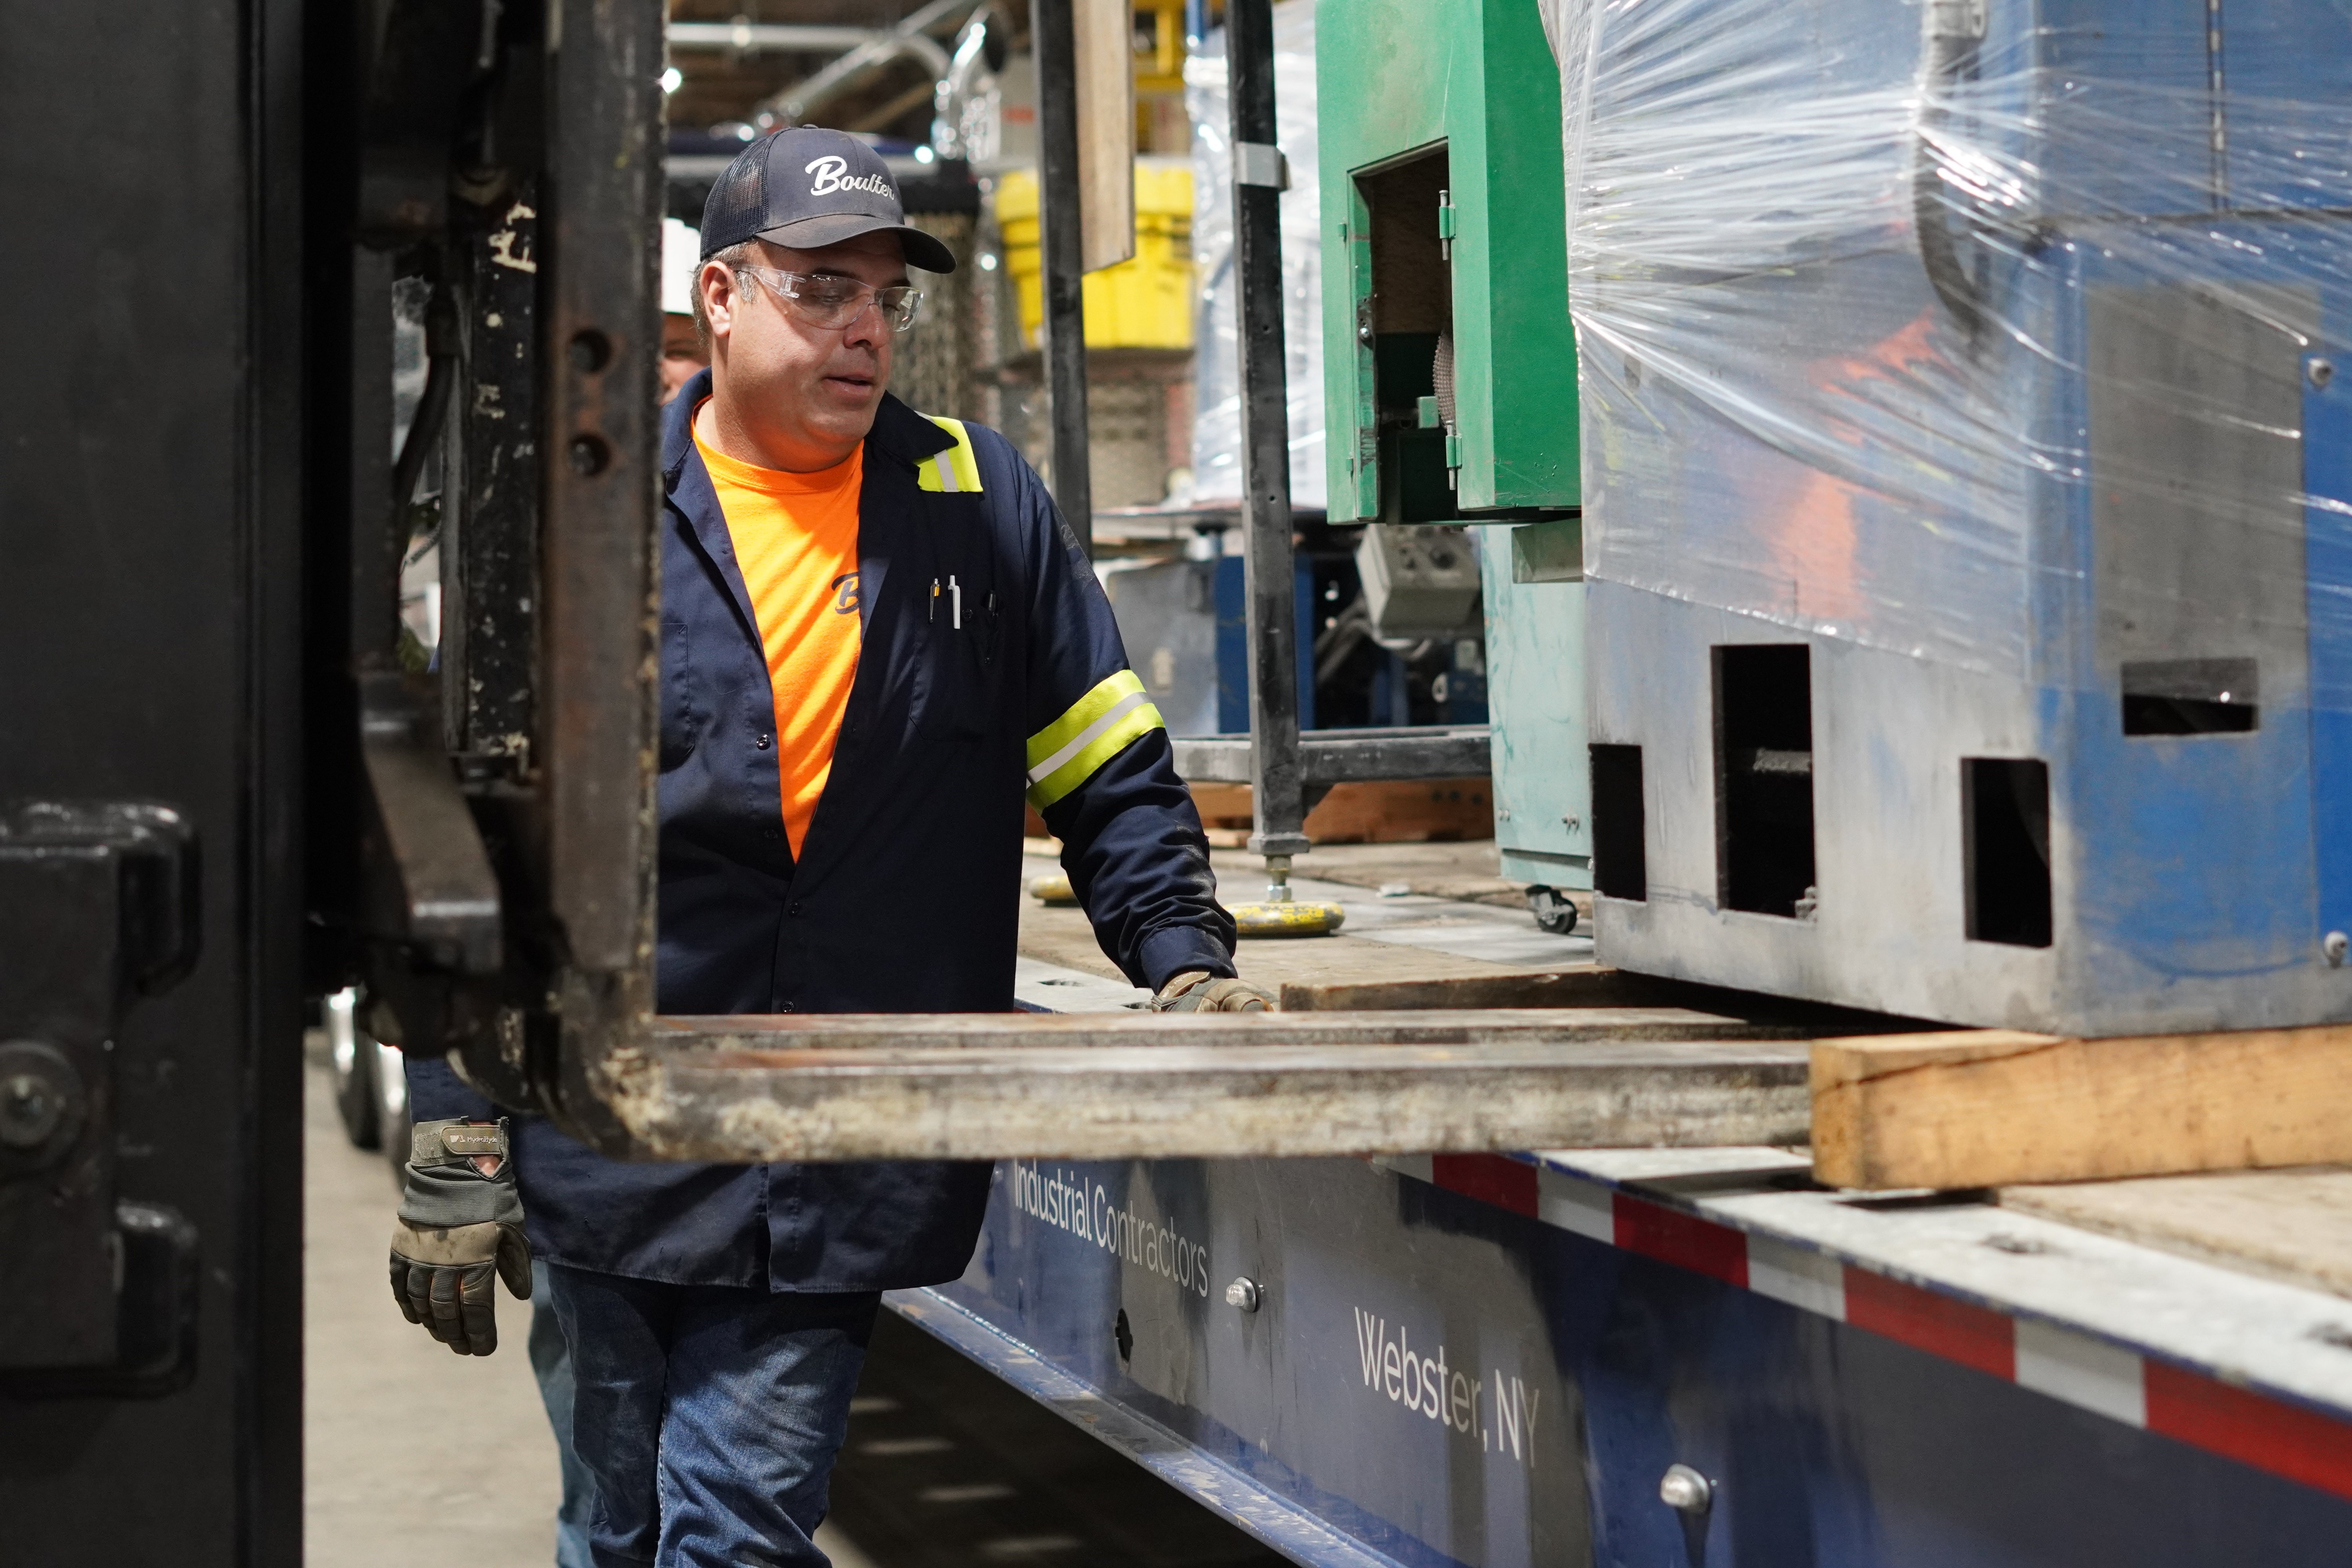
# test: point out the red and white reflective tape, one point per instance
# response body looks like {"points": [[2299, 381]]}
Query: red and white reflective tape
{"points": [[2289, 1440]]}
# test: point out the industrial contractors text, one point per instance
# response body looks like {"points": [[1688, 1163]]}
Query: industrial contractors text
{"points": [[1086, 1210]]}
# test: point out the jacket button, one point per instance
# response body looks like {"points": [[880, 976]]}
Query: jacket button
{"points": [[796, 906], [786, 1007], [761, 742], [768, 833]]}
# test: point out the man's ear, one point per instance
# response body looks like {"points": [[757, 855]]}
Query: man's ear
{"points": [[714, 290]]}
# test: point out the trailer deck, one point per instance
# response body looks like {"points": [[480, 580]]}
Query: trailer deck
{"points": [[1493, 1359]]}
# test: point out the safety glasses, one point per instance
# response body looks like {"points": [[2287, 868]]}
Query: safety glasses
{"points": [[836, 302]]}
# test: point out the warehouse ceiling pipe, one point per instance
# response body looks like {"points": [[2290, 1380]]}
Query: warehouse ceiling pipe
{"points": [[745, 36], [910, 37]]}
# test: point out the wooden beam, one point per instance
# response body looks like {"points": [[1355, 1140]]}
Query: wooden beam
{"points": [[1105, 83], [1987, 1108], [1584, 985]]}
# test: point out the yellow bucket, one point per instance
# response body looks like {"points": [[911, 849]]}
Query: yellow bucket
{"points": [[1145, 302]]}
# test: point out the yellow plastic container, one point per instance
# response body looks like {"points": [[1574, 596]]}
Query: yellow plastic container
{"points": [[1145, 302]]}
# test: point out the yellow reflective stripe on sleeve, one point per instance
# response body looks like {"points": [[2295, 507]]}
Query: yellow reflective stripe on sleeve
{"points": [[954, 471], [1097, 727]]}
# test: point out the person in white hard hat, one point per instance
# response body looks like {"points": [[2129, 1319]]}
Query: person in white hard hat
{"points": [[682, 350]]}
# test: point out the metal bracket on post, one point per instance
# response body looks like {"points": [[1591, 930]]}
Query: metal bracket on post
{"points": [[98, 906], [1261, 163]]}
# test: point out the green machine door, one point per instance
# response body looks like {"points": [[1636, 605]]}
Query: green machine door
{"points": [[1450, 366]]}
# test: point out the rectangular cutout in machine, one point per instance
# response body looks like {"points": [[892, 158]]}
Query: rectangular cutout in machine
{"points": [[1404, 330], [2192, 696], [2005, 819], [1621, 868], [1764, 777]]}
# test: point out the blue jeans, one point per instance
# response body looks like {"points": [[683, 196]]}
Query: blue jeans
{"points": [[707, 1417], [550, 1363]]}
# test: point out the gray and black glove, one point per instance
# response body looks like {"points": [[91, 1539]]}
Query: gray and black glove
{"points": [[1198, 991], [459, 1224]]}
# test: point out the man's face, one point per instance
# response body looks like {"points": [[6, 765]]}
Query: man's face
{"points": [[799, 389], [681, 354]]}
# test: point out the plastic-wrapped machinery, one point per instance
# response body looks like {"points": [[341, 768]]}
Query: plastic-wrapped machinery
{"points": [[1217, 396], [1968, 500]]}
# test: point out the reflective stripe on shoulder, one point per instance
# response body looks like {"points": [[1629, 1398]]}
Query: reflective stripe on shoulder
{"points": [[1098, 726], [955, 471]]}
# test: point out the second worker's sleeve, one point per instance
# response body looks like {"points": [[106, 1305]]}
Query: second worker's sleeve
{"points": [[435, 1093], [1102, 773]]}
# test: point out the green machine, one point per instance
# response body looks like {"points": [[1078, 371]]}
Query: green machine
{"points": [[1450, 363]]}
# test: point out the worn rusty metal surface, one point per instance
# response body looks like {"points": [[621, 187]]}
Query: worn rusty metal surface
{"points": [[489, 525], [604, 198], [1420, 1027], [993, 1086]]}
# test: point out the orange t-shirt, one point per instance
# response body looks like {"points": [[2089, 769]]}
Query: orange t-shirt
{"points": [[796, 544]]}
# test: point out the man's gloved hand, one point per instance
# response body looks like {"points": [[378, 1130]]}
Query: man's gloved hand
{"points": [[1198, 991], [459, 1224]]}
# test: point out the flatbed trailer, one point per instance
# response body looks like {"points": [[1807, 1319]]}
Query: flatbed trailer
{"points": [[1500, 1359], [1493, 1359]]}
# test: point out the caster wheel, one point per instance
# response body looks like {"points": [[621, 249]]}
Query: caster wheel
{"points": [[1552, 910]]}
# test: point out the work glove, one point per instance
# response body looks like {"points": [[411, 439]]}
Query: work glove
{"points": [[458, 1224], [1198, 991]]}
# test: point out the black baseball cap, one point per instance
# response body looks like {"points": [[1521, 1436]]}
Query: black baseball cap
{"points": [[807, 188]]}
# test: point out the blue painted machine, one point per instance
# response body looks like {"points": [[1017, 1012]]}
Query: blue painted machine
{"points": [[1966, 531]]}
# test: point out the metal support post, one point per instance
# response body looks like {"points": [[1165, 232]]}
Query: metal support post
{"points": [[1276, 785], [1054, 29]]}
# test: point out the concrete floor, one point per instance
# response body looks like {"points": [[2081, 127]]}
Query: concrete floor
{"points": [[404, 1442], [372, 1381]]}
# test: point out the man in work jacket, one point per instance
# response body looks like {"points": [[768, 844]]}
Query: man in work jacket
{"points": [[876, 633]]}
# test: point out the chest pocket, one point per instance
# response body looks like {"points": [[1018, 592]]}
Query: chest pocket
{"points": [[963, 619], [963, 614]]}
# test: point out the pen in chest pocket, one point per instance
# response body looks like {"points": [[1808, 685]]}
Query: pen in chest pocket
{"points": [[955, 602]]}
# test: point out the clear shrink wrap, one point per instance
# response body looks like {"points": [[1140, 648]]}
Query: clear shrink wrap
{"points": [[1967, 489], [1217, 420], [1965, 328]]}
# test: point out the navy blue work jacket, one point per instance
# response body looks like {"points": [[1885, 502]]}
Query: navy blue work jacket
{"points": [[989, 665]]}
